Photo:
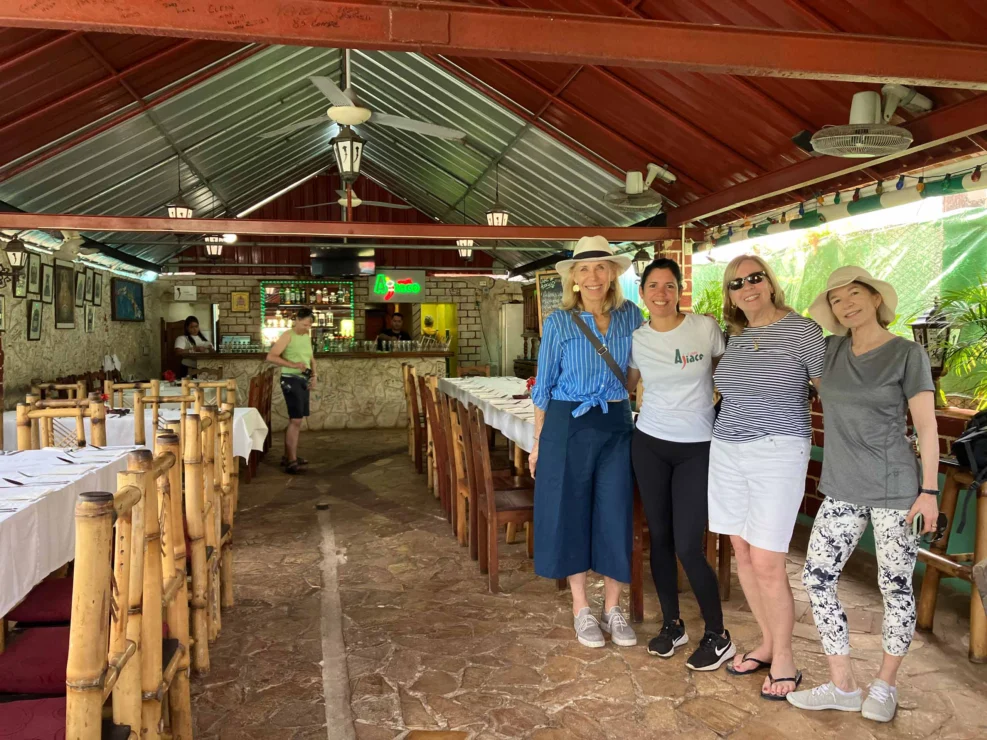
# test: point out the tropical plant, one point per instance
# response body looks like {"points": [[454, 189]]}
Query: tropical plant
{"points": [[966, 356], [709, 301]]}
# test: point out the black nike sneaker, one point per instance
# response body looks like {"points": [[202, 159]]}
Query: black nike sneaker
{"points": [[672, 635], [712, 652]]}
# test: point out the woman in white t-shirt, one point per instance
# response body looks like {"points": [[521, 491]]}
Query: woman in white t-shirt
{"points": [[190, 343], [673, 354]]}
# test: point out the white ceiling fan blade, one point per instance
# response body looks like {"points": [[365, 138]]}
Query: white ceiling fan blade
{"points": [[294, 127], [331, 90], [381, 204], [317, 205], [419, 127]]}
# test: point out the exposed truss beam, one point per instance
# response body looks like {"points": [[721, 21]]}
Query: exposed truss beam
{"points": [[933, 129], [448, 28], [334, 229], [40, 49]]}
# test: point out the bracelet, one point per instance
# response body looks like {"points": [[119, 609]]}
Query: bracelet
{"points": [[932, 491]]}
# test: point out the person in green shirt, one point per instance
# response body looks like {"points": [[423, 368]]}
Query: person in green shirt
{"points": [[293, 352]]}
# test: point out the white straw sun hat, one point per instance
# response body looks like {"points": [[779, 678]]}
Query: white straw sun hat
{"points": [[822, 312], [594, 249]]}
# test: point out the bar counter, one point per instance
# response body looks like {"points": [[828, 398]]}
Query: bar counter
{"points": [[356, 390]]}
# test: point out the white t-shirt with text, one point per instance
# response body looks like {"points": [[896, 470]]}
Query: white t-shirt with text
{"points": [[677, 371]]}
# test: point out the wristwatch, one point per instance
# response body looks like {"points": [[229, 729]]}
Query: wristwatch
{"points": [[931, 491]]}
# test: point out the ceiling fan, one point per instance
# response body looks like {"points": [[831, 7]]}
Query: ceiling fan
{"points": [[347, 110], [637, 195], [355, 201]]}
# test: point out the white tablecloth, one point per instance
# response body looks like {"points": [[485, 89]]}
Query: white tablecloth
{"points": [[249, 429], [37, 519], [514, 418]]}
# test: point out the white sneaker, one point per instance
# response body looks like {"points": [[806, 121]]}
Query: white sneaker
{"points": [[881, 702], [826, 696]]}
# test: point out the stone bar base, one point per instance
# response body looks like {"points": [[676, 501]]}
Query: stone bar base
{"points": [[353, 392]]}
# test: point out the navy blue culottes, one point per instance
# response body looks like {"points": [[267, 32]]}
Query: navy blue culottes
{"points": [[584, 492]]}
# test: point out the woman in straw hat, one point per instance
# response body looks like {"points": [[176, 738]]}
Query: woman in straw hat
{"points": [[584, 486], [760, 452], [871, 380]]}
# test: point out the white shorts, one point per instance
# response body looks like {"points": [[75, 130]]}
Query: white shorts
{"points": [[756, 488]]}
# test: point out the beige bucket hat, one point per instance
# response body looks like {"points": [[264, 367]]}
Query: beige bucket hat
{"points": [[822, 312], [594, 249]]}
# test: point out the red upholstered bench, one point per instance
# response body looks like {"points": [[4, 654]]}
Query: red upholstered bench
{"points": [[50, 602], [34, 662], [44, 719]]}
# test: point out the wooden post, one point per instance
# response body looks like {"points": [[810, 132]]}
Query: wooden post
{"points": [[226, 510], [637, 560], [108, 391], [140, 463], [127, 692], [929, 592], [86, 667], [81, 390], [173, 566], [32, 401], [196, 533], [24, 441], [978, 619], [120, 646], [97, 422], [212, 516], [230, 393], [724, 567]]}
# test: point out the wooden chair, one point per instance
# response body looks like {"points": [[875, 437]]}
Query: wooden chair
{"points": [[418, 417], [439, 447], [36, 426], [406, 384], [959, 565], [97, 656], [471, 371], [260, 393], [494, 507]]}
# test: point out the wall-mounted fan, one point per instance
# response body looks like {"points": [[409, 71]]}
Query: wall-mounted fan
{"points": [[347, 110], [637, 194]]}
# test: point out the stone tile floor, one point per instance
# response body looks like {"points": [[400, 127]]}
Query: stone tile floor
{"points": [[431, 654]]}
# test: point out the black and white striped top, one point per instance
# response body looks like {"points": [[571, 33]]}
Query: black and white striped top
{"points": [[764, 379]]}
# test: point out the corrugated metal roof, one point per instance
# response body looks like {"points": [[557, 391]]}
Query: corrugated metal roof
{"points": [[132, 169]]}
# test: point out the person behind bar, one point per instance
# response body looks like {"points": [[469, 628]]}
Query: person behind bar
{"points": [[674, 353], [395, 333], [583, 482], [191, 342], [872, 379], [760, 452], [293, 352]]}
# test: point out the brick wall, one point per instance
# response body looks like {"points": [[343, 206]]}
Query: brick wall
{"points": [[217, 290], [951, 423], [673, 249]]}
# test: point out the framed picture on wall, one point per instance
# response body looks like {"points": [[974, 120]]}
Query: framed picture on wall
{"points": [[90, 318], [3, 313], [34, 309], [127, 300], [64, 295], [98, 289], [89, 284], [80, 289], [20, 283], [48, 284], [34, 273], [240, 301]]}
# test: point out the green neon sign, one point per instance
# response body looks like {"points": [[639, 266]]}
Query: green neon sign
{"points": [[387, 287]]}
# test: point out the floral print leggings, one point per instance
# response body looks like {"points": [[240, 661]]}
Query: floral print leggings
{"points": [[837, 529]]}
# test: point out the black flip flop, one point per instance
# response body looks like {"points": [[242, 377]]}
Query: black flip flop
{"points": [[772, 697], [761, 665]]}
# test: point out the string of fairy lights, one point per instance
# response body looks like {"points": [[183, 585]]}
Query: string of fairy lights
{"points": [[880, 188]]}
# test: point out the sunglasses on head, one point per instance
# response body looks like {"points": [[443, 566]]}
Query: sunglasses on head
{"points": [[754, 278]]}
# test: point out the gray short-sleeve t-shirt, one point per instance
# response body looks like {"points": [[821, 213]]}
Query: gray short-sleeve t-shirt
{"points": [[867, 458]]}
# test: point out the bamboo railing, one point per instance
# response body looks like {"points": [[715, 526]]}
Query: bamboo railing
{"points": [[35, 421]]}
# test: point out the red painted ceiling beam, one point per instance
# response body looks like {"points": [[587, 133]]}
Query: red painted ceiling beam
{"points": [[24, 221], [450, 29], [931, 130], [188, 83]]}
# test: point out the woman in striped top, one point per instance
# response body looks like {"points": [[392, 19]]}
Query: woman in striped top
{"points": [[584, 486], [760, 453]]}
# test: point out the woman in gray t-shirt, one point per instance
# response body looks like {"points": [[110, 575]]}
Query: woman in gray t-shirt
{"points": [[871, 380]]}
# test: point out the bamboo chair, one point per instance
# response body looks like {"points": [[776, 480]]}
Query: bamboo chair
{"points": [[439, 447], [76, 390], [155, 401], [198, 388], [98, 649], [36, 422], [196, 551], [494, 507], [113, 391]]}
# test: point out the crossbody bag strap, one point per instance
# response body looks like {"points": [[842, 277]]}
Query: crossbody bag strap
{"points": [[601, 349]]}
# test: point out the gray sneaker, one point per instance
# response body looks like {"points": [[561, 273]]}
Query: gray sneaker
{"points": [[826, 697], [881, 702], [588, 629], [615, 624]]}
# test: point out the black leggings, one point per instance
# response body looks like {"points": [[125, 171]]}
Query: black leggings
{"points": [[672, 478]]}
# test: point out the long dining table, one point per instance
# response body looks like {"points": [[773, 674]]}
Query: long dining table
{"points": [[38, 492], [515, 419]]}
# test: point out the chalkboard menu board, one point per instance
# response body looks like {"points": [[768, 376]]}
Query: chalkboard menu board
{"points": [[549, 294]]}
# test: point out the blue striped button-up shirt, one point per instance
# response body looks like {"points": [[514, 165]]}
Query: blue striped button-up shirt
{"points": [[569, 369]]}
